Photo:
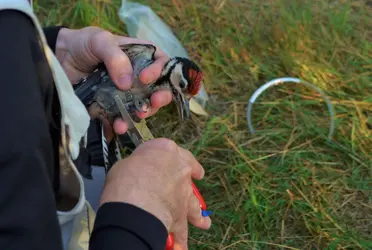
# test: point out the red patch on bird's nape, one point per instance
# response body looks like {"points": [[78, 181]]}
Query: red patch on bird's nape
{"points": [[196, 78]]}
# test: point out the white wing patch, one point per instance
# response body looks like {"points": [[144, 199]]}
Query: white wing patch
{"points": [[105, 149], [134, 50]]}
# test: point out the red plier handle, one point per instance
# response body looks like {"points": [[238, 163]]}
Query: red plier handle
{"points": [[203, 206]]}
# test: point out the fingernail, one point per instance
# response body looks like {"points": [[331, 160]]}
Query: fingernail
{"points": [[125, 81], [208, 222], [202, 175]]}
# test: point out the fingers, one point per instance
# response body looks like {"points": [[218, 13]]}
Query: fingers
{"points": [[120, 126], [127, 40], [194, 214], [197, 171], [181, 236], [164, 144], [152, 72], [194, 210], [159, 99], [180, 233], [105, 48]]}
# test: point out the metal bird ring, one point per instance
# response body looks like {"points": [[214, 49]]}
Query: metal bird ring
{"points": [[278, 81]]}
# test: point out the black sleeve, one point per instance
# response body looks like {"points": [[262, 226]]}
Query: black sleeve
{"points": [[27, 206], [124, 226], [28, 217]]}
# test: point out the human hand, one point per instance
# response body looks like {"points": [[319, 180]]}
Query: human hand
{"points": [[80, 51], [157, 178]]}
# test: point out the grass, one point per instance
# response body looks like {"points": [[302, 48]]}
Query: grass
{"points": [[286, 187]]}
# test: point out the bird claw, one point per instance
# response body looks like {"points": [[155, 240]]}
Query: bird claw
{"points": [[142, 106]]}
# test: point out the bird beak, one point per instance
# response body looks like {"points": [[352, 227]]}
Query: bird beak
{"points": [[183, 106]]}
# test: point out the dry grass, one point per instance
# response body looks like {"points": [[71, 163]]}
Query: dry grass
{"points": [[286, 187]]}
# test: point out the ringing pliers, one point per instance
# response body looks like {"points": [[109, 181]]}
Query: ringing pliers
{"points": [[139, 133]]}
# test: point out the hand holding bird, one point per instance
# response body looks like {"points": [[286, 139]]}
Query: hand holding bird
{"points": [[79, 52], [181, 76]]}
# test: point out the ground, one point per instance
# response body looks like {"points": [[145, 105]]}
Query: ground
{"points": [[287, 186]]}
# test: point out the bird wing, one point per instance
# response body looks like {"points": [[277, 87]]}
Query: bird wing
{"points": [[111, 151], [140, 55]]}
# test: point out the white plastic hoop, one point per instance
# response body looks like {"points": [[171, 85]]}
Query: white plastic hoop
{"points": [[278, 81]]}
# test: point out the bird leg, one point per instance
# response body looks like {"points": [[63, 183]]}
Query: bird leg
{"points": [[95, 111], [142, 106]]}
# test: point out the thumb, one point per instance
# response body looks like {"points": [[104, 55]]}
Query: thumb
{"points": [[106, 49]]}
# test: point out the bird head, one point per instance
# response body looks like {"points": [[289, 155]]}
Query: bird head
{"points": [[185, 81]]}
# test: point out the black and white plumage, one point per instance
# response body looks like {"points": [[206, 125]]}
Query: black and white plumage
{"points": [[180, 75]]}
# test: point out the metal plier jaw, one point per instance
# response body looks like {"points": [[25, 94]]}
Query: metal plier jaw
{"points": [[137, 131]]}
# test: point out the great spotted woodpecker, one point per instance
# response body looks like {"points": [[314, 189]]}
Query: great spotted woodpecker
{"points": [[180, 75]]}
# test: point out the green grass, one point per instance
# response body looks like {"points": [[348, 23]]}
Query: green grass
{"points": [[285, 187]]}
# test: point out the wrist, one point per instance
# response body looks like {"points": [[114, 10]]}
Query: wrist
{"points": [[148, 201], [143, 200], [62, 43]]}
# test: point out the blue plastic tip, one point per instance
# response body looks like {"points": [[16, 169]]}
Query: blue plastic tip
{"points": [[206, 213]]}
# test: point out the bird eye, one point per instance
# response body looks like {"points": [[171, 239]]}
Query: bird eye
{"points": [[183, 84]]}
